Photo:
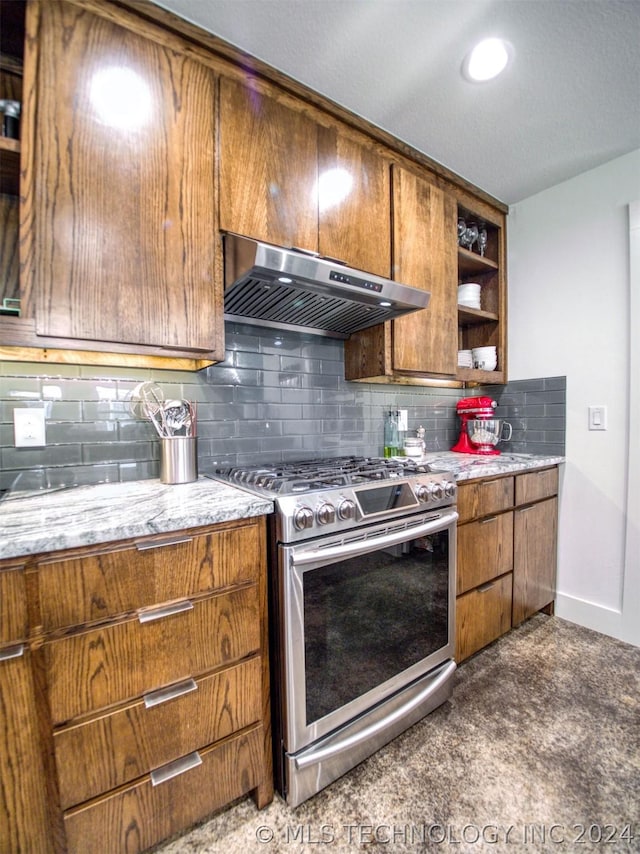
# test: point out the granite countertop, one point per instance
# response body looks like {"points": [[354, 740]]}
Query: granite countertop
{"points": [[470, 466], [37, 522]]}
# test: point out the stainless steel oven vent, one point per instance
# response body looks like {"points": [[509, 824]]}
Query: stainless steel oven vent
{"points": [[288, 289]]}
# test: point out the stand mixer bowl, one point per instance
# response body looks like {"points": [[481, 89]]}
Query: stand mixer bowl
{"points": [[485, 433]]}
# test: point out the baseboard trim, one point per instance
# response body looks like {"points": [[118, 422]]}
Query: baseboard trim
{"points": [[591, 616]]}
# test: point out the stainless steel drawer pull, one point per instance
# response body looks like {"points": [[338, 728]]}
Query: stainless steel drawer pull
{"points": [[161, 544], [484, 587], [165, 611], [163, 695], [12, 652], [489, 519], [173, 769]]}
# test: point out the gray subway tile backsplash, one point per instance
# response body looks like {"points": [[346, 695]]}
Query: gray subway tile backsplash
{"points": [[275, 397]]}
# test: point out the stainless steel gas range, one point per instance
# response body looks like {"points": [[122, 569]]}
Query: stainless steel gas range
{"points": [[362, 568]]}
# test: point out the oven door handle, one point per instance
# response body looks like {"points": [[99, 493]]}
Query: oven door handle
{"points": [[344, 550], [322, 754]]}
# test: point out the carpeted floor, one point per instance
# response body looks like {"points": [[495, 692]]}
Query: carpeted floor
{"points": [[538, 749]]}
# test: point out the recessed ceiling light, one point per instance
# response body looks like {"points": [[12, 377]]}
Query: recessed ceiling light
{"points": [[487, 59]]}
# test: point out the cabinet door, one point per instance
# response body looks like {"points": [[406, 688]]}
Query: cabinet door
{"points": [[268, 168], [482, 615], [425, 256], [354, 203], [23, 821], [124, 185], [485, 550], [535, 557]]}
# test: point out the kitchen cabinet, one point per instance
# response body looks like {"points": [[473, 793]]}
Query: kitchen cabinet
{"points": [[119, 248], [154, 682], [485, 563], [535, 543], [423, 347], [288, 179], [507, 554], [23, 811], [424, 342], [486, 326]]}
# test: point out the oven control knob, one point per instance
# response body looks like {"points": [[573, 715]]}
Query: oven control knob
{"points": [[450, 489], [347, 509], [326, 513], [303, 518], [422, 492], [436, 491]]}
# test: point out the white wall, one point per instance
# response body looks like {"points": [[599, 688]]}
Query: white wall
{"points": [[569, 314]]}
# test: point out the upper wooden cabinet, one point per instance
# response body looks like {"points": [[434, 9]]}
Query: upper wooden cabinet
{"points": [[289, 180], [354, 202], [424, 256], [268, 168], [124, 168], [118, 245]]}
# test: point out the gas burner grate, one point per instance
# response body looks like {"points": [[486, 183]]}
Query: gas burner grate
{"points": [[317, 474]]}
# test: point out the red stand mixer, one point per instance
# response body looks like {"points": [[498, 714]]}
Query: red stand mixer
{"points": [[480, 431]]}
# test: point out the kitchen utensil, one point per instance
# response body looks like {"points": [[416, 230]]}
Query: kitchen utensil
{"points": [[177, 415]]}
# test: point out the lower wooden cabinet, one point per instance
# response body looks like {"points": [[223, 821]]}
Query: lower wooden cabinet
{"points": [[534, 557], [483, 615], [153, 808], [507, 545], [23, 802], [124, 719]]}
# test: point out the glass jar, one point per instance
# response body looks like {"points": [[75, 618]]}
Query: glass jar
{"points": [[413, 446]]}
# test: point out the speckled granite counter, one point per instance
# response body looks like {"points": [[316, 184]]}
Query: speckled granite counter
{"points": [[32, 523], [469, 466]]}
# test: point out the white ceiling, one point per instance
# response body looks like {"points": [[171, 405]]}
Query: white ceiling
{"points": [[569, 102]]}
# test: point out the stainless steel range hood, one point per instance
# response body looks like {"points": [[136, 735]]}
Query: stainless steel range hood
{"points": [[289, 289]]}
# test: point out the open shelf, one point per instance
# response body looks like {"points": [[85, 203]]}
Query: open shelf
{"points": [[470, 263], [475, 316], [9, 166]]}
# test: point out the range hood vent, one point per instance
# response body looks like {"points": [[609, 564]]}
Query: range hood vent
{"points": [[289, 289]]}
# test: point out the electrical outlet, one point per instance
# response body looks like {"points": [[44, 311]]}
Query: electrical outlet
{"points": [[597, 418], [29, 428]]}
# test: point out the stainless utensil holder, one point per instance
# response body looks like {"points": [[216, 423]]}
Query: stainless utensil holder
{"points": [[179, 459]]}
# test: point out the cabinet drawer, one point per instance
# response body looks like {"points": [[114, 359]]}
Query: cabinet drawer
{"points": [[482, 615], [485, 550], [122, 661], [102, 584], [484, 497], [535, 485], [13, 606], [120, 747], [141, 815]]}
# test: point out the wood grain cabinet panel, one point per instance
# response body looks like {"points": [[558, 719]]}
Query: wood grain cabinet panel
{"points": [[483, 615], [135, 818], [13, 605], [535, 558], [100, 585], [485, 550], [131, 741], [268, 168], [354, 216], [97, 668], [535, 485], [124, 201], [23, 815], [425, 256], [484, 497]]}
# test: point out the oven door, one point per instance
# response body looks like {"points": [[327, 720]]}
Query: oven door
{"points": [[363, 615]]}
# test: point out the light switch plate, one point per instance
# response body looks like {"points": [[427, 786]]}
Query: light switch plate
{"points": [[29, 428], [597, 418]]}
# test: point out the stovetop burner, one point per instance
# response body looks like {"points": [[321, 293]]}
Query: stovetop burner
{"points": [[318, 474]]}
